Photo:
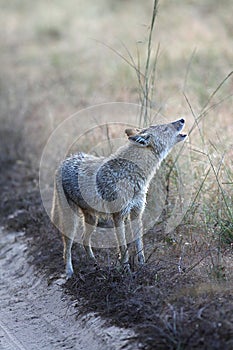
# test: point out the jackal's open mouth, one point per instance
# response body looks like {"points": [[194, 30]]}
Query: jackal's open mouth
{"points": [[180, 125], [183, 135]]}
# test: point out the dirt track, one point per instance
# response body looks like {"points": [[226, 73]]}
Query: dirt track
{"points": [[34, 315], [37, 312]]}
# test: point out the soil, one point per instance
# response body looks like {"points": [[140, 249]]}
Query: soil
{"points": [[100, 307], [35, 313]]}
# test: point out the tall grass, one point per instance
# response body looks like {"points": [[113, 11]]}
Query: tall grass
{"points": [[208, 210]]}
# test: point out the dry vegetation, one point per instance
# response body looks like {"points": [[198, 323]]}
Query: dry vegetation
{"points": [[54, 62]]}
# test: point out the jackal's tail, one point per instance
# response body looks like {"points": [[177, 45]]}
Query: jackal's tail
{"points": [[60, 206], [55, 204], [62, 214]]}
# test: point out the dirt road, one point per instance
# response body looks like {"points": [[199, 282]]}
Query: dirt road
{"points": [[34, 315]]}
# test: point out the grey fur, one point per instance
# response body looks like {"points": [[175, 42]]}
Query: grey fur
{"points": [[115, 186]]}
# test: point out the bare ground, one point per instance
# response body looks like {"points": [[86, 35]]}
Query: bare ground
{"points": [[35, 313], [157, 307]]}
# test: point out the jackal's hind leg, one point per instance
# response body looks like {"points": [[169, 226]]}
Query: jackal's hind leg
{"points": [[68, 242], [68, 239], [89, 227]]}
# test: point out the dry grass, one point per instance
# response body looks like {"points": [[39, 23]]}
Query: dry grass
{"points": [[53, 65]]}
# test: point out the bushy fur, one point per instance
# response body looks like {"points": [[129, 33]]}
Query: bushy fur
{"points": [[115, 186]]}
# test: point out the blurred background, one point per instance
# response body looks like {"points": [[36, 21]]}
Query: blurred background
{"points": [[55, 61]]}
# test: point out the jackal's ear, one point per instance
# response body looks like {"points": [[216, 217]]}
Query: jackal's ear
{"points": [[142, 140], [131, 132]]}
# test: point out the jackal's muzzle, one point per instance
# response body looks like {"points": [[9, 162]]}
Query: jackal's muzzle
{"points": [[179, 124]]}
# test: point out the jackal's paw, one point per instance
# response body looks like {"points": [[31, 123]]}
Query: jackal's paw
{"points": [[69, 273], [126, 268], [141, 259], [90, 254], [92, 258]]}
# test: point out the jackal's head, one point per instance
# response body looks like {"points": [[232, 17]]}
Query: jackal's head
{"points": [[160, 138]]}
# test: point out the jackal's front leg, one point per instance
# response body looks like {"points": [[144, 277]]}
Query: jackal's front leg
{"points": [[120, 234], [137, 232]]}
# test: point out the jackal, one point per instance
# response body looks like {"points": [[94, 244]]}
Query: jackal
{"points": [[115, 186]]}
